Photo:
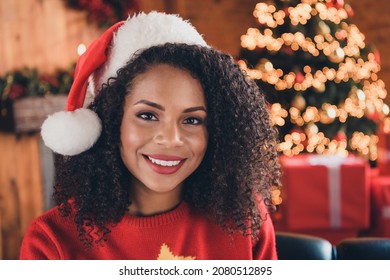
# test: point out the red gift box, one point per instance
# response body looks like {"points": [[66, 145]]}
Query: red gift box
{"points": [[324, 193], [380, 206]]}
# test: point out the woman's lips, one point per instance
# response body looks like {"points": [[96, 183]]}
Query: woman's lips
{"points": [[164, 164]]}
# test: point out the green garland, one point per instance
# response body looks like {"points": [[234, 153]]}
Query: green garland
{"points": [[22, 84], [28, 82]]}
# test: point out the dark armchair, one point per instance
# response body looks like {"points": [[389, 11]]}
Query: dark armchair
{"points": [[364, 248], [294, 246]]}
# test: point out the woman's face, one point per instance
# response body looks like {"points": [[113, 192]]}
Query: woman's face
{"points": [[163, 130]]}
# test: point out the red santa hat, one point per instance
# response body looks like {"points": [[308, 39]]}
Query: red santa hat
{"points": [[75, 130]]}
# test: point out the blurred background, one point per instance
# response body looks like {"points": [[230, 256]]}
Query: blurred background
{"points": [[324, 65]]}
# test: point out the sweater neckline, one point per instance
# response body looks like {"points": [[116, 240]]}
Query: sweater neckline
{"points": [[159, 219]]}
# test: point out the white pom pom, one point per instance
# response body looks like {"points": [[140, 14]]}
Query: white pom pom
{"points": [[71, 132]]}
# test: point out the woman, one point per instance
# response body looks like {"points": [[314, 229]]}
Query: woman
{"points": [[184, 161]]}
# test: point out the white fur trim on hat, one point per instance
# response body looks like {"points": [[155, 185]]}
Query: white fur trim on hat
{"points": [[71, 132], [141, 32]]}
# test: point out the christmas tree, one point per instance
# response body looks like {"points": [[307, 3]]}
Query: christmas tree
{"points": [[319, 76]]}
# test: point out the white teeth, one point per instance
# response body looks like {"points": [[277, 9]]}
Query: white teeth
{"points": [[164, 162]]}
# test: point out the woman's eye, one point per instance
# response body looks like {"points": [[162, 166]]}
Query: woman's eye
{"points": [[147, 116], [193, 121]]}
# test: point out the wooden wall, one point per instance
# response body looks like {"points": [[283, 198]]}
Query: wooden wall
{"points": [[21, 192], [41, 33]]}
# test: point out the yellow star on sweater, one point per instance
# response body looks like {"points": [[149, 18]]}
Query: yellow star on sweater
{"points": [[166, 254]]}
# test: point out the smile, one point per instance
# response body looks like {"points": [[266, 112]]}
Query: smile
{"points": [[164, 162]]}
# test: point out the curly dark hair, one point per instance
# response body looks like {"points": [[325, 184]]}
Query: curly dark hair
{"points": [[240, 164]]}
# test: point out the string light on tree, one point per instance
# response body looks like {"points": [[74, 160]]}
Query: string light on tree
{"points": [[320, 76]]}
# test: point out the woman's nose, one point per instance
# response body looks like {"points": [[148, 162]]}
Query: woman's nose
{"points": [[169, 135]]}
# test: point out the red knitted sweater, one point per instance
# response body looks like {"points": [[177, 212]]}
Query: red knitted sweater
{"points": [[179, 234]]}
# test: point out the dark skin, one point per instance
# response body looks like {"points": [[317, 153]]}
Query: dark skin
{"points": [[163, 137]]}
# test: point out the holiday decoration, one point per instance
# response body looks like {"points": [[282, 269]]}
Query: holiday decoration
{"points": [[105, 12], [324, 195], [27, 97], [319, 76], [330, 186]]}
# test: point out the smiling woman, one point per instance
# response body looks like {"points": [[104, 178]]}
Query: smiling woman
{"points": [[174, 158], [163, 136]]}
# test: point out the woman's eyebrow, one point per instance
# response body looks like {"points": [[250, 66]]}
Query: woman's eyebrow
{"points": [[193, 109], [150, 103], [162, 108]]}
